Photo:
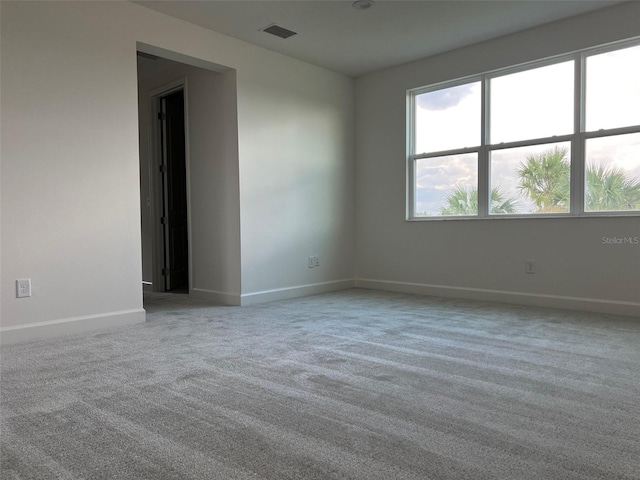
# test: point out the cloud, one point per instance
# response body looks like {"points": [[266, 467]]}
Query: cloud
{"points": [[437, 177], [443, 99]]}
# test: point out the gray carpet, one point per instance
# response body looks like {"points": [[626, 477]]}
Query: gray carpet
{"points": [[348, 385]]}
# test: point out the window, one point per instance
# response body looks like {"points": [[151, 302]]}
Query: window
{"points": [[448, 119], [553, 138]]}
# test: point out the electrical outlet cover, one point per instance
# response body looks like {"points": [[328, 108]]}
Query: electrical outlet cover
{"points": [[23, 287], [530, 266]]}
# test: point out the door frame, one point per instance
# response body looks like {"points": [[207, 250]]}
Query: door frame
{"points": [[158, 254]]}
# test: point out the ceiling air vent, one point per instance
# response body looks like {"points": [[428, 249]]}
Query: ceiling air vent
{"points": [[278, 31]]}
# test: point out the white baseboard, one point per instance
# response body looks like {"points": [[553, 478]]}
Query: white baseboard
{"points": [[69, 326], [519, 298], [295, 292], [222, 298]]}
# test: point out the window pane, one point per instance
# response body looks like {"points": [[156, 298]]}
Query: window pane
{"points": [[531, 180], [448, 119], [613, 89], [532, 104], [612, 176], [447, 185]]}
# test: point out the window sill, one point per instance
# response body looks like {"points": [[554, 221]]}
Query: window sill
{"points": [[527, 217]]}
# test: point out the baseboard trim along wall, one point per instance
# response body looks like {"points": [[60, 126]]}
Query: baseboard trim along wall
{"points": [[518, 298], [223, 298], [68, 326], [295, 292]]}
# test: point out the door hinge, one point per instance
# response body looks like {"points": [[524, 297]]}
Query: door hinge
{"points": [[165, 272], [161, 116], [163, 220], [163, 168]]}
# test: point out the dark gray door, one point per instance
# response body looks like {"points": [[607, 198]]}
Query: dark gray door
{"points": [[174, 181]]}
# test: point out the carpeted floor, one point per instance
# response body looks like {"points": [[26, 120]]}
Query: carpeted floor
{"points": [[348, 385]]}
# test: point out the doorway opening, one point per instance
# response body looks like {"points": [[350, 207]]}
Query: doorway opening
{"points": [[165, 189], [189, 178], [173, 174]]}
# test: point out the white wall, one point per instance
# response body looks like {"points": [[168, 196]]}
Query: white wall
{"points": [[70, 202], [70, 170], [485, 258], [214, 197], [297, 189]]}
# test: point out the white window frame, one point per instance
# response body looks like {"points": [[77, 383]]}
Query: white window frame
{"points": [[577, 139]]}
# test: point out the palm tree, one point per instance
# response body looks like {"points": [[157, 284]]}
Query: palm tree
{"points": [[461, 201], [502, 205], [464, 201], [544, 178], [610, 189]]}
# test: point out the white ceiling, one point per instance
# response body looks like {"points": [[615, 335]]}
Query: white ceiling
{"points": [[334, 35]]}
